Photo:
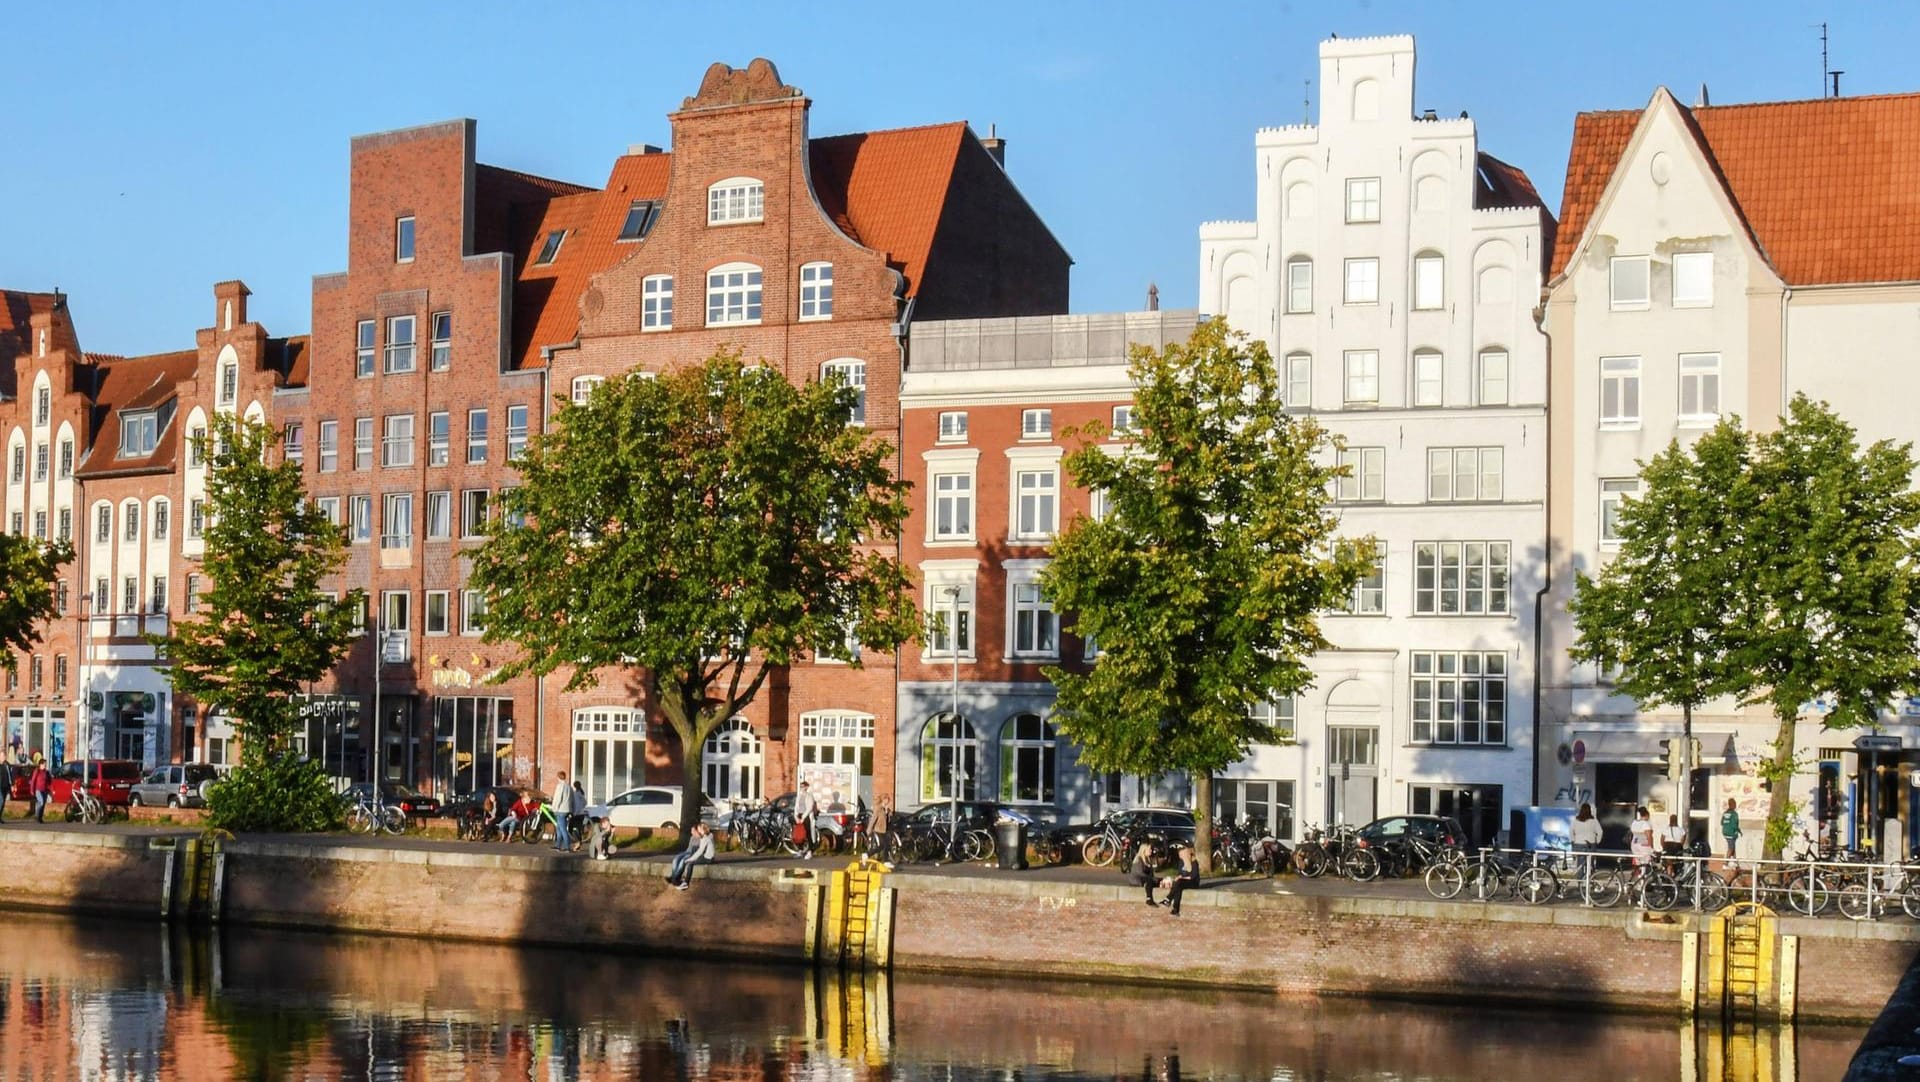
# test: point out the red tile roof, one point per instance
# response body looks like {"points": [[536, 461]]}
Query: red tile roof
{"points": [[135, 383], [295, 355], [886, 189], [1829, 188]]}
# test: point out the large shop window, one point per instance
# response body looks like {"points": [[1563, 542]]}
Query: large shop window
{"points": [[947, 741], [609, 750], [1263, 800], [37, 729], [836, 755], [1027, 760], [472, 743], [730, 767]]}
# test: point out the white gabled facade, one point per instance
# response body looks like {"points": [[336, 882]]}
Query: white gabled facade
{"points": [[1393, 270]]}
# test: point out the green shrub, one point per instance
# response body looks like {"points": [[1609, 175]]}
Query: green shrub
{"points": [[280, 795]]}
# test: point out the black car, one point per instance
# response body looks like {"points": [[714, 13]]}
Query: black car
{"points": [[416, 804], [1173, 824], [1438, 829]]}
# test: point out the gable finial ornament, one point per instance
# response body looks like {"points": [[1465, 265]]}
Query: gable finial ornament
{"points": [[725, 85]]}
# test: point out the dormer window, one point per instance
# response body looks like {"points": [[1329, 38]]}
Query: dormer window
{"points": [[736, 199], [641, 214], [139, 433], [551, 248]]}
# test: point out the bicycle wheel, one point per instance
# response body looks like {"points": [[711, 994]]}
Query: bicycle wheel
{"points": [[1606, 888], [359, 820], [1910, 898], [393, 820], [976, 845], [1359, 865], [1485, 880], [1099, 851], [1659, 891], [1808, 894], [1857, 904], [1536, 885], [1714, 894], [1310, 861], [1445, 880]]}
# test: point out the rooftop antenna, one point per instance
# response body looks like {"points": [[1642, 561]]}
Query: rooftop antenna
{"points": [[1306, 101], [1829, 78]]}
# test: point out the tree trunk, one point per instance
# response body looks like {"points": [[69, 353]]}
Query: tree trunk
{"points": [[1203, 820], [690, 782], [1780, 770]]}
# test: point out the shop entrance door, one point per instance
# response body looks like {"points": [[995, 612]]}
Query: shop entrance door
{"points": [[1353, 774], [1616, 792]]}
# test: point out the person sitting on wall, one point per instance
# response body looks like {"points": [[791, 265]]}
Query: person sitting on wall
{"points": [[698, 851], [1181, 881], [524, 815]]}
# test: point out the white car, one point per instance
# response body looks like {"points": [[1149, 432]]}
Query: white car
{"points": [[656, 807]]}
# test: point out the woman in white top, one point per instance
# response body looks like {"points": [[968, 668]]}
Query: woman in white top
{"points": [[1640, 836], [1585, 832], [1674, 839]]}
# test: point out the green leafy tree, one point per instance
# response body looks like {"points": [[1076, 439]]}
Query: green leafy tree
{"points": [[263, 628], [698, 531], [1832, 582], [28, 570], [1666, 609], [1203, 583]]}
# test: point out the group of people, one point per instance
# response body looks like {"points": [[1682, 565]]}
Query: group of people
{"points": [[39, 785], [1643, 838], [1144, 872]]}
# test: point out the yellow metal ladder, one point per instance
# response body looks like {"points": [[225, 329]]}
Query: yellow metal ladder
{"points": [[1740, 962], [856, 932]]}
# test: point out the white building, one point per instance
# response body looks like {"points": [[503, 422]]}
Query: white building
{"points": [[1392, 268], [1715, 261]]}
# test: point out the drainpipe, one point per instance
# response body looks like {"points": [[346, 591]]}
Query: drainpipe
{"points": [[900, 336], [1546, 565]]}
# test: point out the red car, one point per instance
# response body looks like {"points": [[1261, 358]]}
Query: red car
{"points": [[111, 780]]}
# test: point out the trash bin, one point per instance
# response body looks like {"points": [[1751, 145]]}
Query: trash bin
{"points": [[1010, 840]]}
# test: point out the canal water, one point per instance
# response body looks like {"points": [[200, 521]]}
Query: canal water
{"points": [[96, 1000]]}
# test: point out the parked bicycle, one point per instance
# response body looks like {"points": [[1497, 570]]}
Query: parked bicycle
{"points": [[369, 815]]}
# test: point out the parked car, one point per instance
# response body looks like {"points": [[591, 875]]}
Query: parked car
{"points": [[657, 807], [1438, 829], [110, 780], [1174, 824], [416, 804], [181, 785], [974, 815]]}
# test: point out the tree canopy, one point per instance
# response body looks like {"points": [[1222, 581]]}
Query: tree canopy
{"points": [[1202, 582], [29, 568], [695, 531]]}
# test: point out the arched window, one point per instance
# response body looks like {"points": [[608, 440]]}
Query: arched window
{"points": [[735, 199], [947, 742], [733, 294], [1429, 281], [853, 373], [583, 388], [730, 767], [1299, 284], [1026, 760]]}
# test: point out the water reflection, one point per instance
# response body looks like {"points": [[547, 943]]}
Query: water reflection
{"points": [[110, 1001]]}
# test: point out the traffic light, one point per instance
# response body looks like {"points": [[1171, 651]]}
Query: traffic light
{"points": [[1674, 752]]}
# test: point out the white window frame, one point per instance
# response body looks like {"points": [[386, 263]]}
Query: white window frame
{"points": [[366, 346], [518, 421], [736, 200], [363, 443], [396, 520], [1363, 199], [1700, 381], [816, 291], [439, 437], [1299, 285], [735, 292], [1493, 380], [1366, 480], [438, 524], [1445, 584], [328, 443], [160, 518], [1466, 474], [1614, 491], [396, 441], [359, 519], [953, 427], [1035, 513], [1281, 714], [1299, 374], [1023, 753], [1444, 684], [1428, 372], [1699, 278], [477, 436], [428, 624], [1620, 392], [550, 248], [936, 606], [1033, 627], [1362, 281], [473, 605], [656, 302], [403, 341], [1362, 377], [440, 337], [1627, 302], [474, 510], [1369, 596], [1122, 426], [1036, 424], [953, 505], [405, 239], [581, 392], [854, 371], [1429, 282]]}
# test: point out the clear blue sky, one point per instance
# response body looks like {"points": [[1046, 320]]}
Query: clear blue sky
{"points": [[153, 149]]}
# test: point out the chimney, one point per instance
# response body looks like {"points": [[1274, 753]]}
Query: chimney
{"points": [[642, 148], [1429, 115], [1702, 101], [230, 304], [1153, 296], [995, 145]]}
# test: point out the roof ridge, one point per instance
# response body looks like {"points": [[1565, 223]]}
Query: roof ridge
{"points": [[537, 179], [893, 131], [1889, 96]]}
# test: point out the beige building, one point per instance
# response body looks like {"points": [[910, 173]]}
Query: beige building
{"points": [[1715, 261]]}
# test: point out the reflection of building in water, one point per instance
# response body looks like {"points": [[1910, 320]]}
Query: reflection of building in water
{"points": [[119, 1033]]}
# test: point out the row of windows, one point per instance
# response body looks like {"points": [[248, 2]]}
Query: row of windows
{"points": [[1426, 379], [437, 614], [1450, 578], [130, 600], [735, 292], [1035, 424], [397, 523], [36, 669], [1454, 475], [17, 471], [1697, 396], [1690, 281], [397, 439], [402, 345], [736, 199], [1034, 513], [1362, 283]]}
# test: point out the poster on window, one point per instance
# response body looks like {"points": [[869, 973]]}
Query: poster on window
{"points": [[831, 784]]}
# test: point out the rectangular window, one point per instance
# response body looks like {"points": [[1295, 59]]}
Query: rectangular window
{"points": [[19, 473], [1459, 698], [400, 343], [1261, 800], [473, 512], [1038, 504], [1465, 474], [1460, 578], [1693, 279], [733, 296], [516, 432], [639, 220], [1036, 424], [329, 507], [1277, 715], [396, 523], [473, 611], [396, 612], [441, 358], [1366, 474], [229, 383], [403, 240], [363, 443], [1429, 379], [854, 375], [1429, 282], [1035, 633], [953, 426], [656, 303], [741, 201], [1620, 391], [1363, 377], [1300, 285], [143, 428], [196, 447], [40, 525], [66, 459], [363, 350], [102, 594], [1299, 381], [157, 594], [943, 607], [550, 250], [396, 445], [476, 437], [66, 523], [1699, 388], [359, 519], [196, 518], [130, 517], [129, 594], [293, 442], [102, 524], [329, 446], [1363, 281], [162, 512], [43, 406], [816, 291], [1363, 199], [437, 438], [436, 612], [193, 593], [35, 671], [1613, 492], [1629, 280], [1122, 422], [1370, 593], [59, 672], [1493, 378], [952, 506], [439, 516]]}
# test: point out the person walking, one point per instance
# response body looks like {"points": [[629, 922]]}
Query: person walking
{"points": [[803, 811], [1640, 836], [577, 825], [1140, 873], [880, 828], [698, 851], [1183, 880], [1730, 827], [40, 788], [562, 814]]}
